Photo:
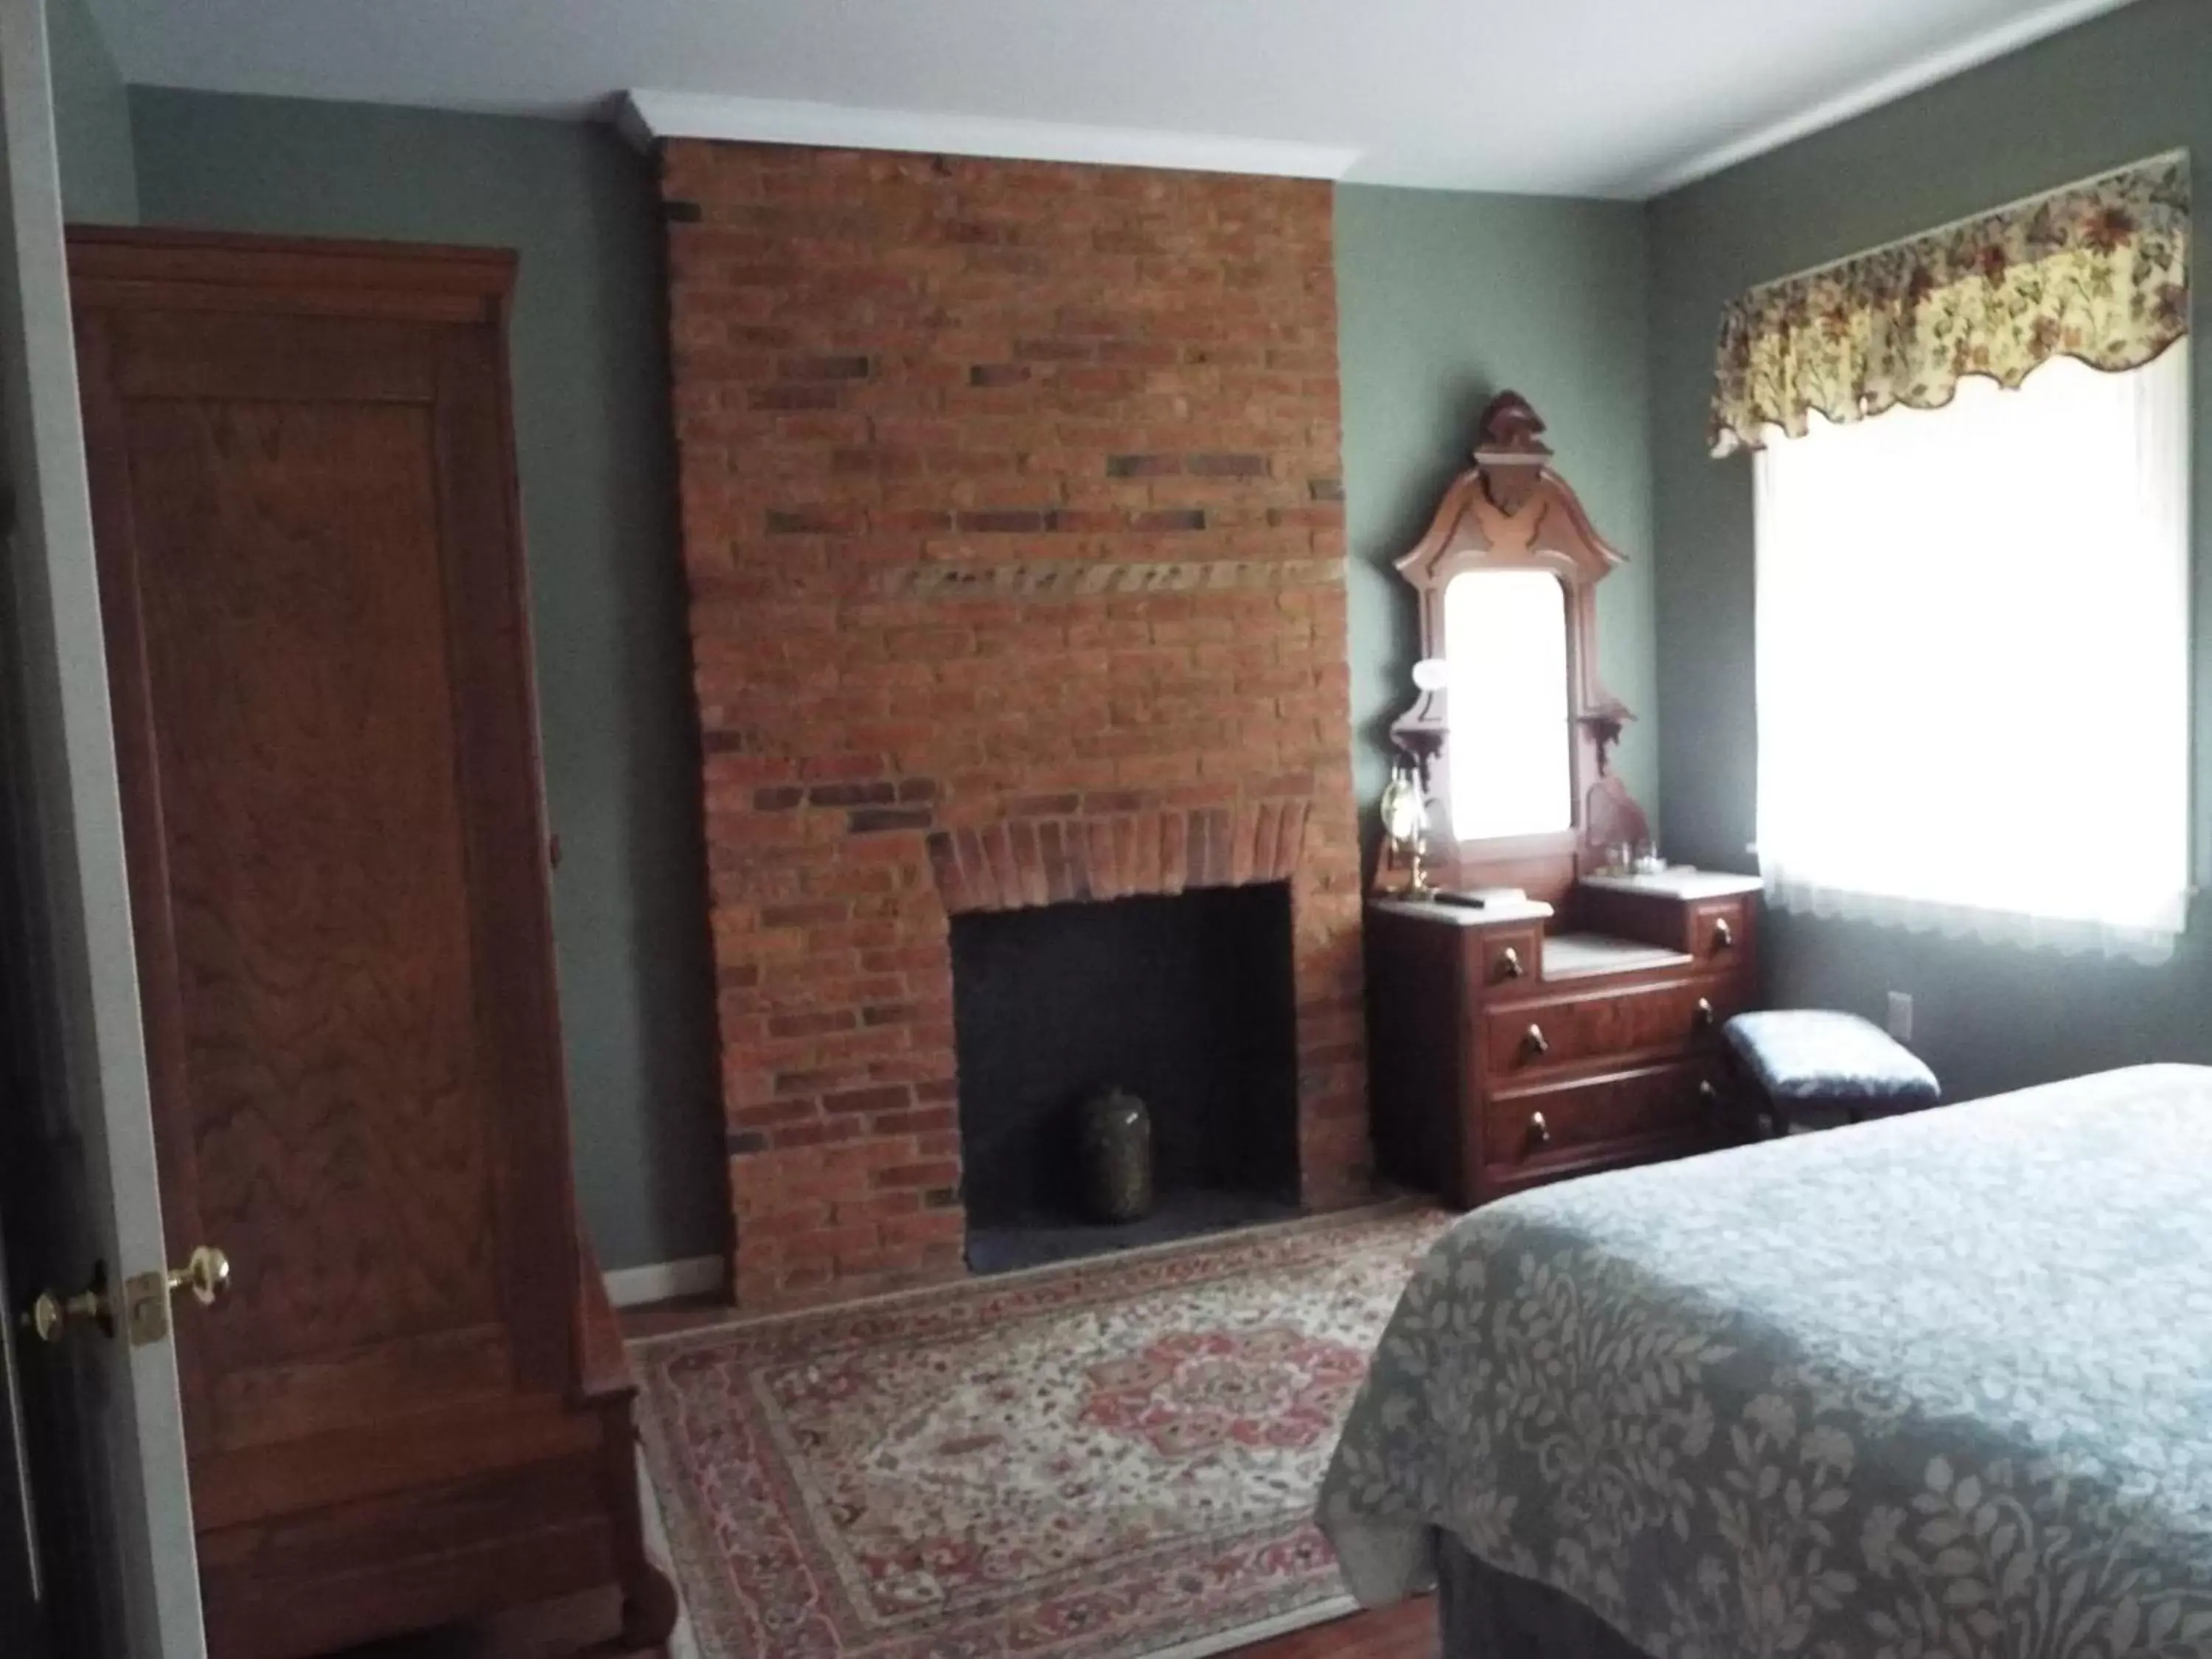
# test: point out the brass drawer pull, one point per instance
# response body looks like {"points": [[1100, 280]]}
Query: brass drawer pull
{"points": [[1539, 1131], [1707, 1093], [1723, 933], [1705, 1014], [1508, 964], [1534, 1041]]}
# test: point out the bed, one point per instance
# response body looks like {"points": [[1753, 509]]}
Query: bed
{"points": [[1939, 1385]]}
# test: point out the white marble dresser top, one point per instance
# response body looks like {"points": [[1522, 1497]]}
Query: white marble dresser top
{"points": [[1682, 882]]}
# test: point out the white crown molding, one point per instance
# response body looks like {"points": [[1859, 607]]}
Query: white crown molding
{"points": [[645, 116], [1883, 90], [664, 1281]]}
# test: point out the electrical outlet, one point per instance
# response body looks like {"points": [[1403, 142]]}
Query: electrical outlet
{"points": [[1900, 1015]]}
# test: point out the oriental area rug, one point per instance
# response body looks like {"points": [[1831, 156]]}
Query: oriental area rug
{"points": [[1111, 1459]]}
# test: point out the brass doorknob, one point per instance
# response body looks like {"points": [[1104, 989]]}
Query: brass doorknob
{"points": [[206, 1274], [1539, 1131], [1723, 933], [52, 1315], [1535, 1041], [1508, 964], [1704, 1012]]}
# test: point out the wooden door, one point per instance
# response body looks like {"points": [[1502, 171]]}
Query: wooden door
{"points": [[309, 565]]}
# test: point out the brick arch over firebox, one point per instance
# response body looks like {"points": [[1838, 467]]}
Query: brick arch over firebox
{"points": [[1015, 537], [1093, 847]]}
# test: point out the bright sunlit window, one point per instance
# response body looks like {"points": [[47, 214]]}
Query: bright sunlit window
{"points": [[1973, 661]]}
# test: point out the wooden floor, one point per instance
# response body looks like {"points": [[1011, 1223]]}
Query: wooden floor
{"points": [[584, 1625], [1402, 1633]]}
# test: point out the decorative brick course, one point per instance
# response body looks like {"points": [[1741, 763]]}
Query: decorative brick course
{"points": [[908, 391]]}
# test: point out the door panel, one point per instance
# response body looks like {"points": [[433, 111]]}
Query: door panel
{"points": [[324, 995], [77, 1182], [346, 968]]}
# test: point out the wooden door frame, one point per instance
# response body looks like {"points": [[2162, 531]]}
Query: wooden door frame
{"points": [[126, 1569], [22, 1571]]}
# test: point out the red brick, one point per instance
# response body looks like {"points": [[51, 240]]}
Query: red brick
{"points": [[823, 369], [936, 1172], [928, 1228], [1143, 466], [783, 1224], [773, 1115], [927, 1120], [890, 1098], [795, 396], [1132, 371], [1227, 466]]}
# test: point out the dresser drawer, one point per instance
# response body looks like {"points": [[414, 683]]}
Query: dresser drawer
{"points": [[1720, 931], [1579, 1121], [1648, 1019], [1508, 960]]}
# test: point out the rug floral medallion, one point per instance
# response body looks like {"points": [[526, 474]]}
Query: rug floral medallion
{"points": [[1106, 1460]]}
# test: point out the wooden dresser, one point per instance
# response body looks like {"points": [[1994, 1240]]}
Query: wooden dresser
{"points": [[1573, 1024], [1507, 1050]]}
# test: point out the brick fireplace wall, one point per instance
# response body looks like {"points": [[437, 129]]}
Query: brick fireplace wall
{"points": [[1013, 519]]}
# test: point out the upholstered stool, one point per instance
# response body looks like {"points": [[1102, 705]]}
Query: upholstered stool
{"points": [[1813, 1065]]}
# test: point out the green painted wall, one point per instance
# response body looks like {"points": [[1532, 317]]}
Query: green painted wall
{"points": [[92, 119], [2123, 87], [1602, 312], [592, 427], [1442, 300]]}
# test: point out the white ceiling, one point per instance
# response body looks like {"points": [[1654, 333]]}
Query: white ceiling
{"points": [[1615, 98]]}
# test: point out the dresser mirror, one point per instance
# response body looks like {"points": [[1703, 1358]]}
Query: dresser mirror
{"points": [[1507, 721], [1512, 731]]}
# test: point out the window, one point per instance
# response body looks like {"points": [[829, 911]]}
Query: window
{"points": [[1973, 661]]}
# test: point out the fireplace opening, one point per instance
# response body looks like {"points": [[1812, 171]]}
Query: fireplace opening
{"points": [[1184, 1002]]}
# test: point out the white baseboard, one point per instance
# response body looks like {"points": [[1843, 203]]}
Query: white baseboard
{"points": [[664, 1281]]}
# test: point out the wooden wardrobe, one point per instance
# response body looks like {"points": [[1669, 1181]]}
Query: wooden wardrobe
{"points": [[412, 1405]]}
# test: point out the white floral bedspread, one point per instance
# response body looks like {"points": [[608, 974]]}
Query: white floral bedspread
{"points": [[1941, 1385]]}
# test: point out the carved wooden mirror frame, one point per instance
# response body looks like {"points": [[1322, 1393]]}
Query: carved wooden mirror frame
{"points": [[1511, 511]]}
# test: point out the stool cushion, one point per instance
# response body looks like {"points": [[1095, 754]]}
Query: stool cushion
{"points": [[1812, 1054]]}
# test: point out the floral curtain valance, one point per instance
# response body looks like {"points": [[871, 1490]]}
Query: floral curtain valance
{"points": [[2097, 270]]}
